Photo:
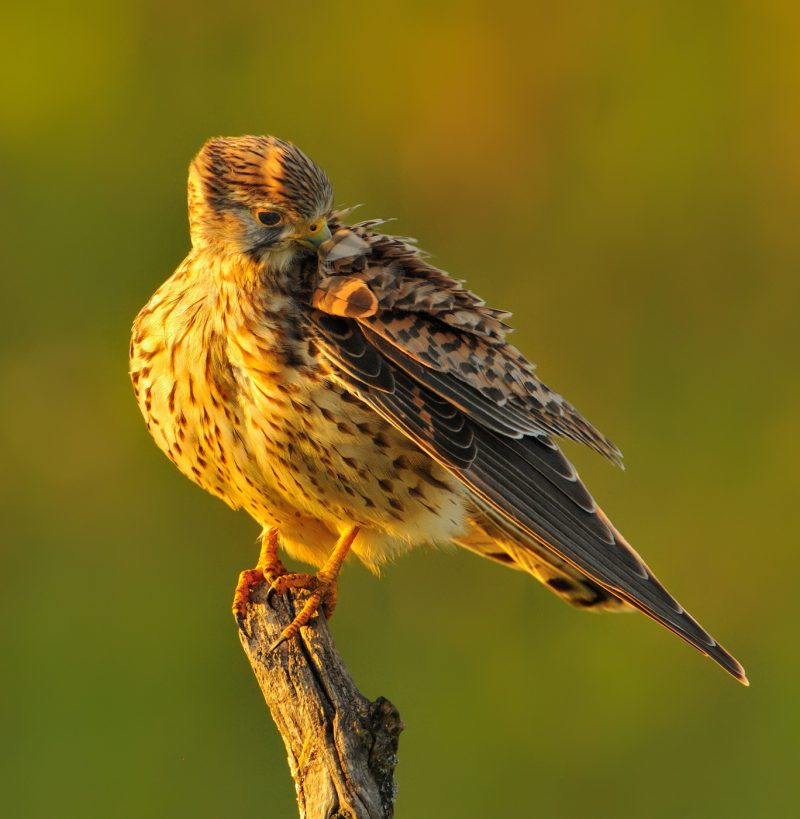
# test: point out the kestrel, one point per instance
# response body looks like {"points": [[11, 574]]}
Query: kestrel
{"points": [[354, 398]]}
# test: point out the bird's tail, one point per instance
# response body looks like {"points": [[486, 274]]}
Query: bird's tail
{"points": [[483, 538], [492, 537]]}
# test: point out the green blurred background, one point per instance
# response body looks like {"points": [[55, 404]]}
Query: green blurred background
{"points": [[625, 176]]}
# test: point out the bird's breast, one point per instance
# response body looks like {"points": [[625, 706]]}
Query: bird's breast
{"points": [[235, 394]]}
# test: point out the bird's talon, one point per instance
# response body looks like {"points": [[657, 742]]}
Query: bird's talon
{"points": [[293, 580], [241, 622], [322, 586], [249, 580], [282, 639]]}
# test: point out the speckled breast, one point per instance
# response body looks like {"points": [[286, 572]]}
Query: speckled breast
{"points": [[237, 400]]}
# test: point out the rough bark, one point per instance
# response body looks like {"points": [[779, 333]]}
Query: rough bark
{"points": [[342, 748]]}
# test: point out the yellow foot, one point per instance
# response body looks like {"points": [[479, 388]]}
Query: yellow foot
{"points": [[322, 586], [310, 582], [323, 593], [267, 570]]}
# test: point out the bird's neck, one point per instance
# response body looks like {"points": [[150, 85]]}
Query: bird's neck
{"points": [[281, 270], [238, 296]]}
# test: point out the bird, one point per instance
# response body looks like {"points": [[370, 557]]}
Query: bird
{"points": [[326, 377]]}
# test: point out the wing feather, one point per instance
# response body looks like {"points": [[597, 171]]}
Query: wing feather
{"points": [[503, 454], [435, 320]]}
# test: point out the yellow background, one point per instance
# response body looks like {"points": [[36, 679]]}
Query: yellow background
{"points": [[625, 177]]}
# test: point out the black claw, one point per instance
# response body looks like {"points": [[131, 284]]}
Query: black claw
{"points": [[270, 595], [241, 622]]}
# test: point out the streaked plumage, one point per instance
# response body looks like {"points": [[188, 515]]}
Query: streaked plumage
{"points": [[323, 384]]}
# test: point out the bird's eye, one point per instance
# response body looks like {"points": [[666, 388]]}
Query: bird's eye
{"points": [[270, 218]]}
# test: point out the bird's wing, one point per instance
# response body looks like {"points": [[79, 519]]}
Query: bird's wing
{"points": [[403, 355], [435, 320]]}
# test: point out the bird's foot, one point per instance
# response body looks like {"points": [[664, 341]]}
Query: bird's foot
{"points": [[268, 569], [322, 585], [323, 588]]}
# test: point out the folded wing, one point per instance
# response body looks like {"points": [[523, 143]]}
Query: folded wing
{"points": [[489, 423]]}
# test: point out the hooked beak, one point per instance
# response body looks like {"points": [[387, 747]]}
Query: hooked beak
{"points": [[314, 234]]}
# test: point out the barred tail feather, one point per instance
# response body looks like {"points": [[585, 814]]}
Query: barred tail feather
{"points": [[486, 540]]}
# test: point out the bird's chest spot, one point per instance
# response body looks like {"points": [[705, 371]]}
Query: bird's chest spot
{"points": [[300, 418], [334, 457], [188, 400]]}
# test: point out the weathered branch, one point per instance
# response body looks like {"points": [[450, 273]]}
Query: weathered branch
{"points": [[342, 748]]}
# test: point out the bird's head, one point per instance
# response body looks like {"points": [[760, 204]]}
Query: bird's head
{"points": [[257, 195]]}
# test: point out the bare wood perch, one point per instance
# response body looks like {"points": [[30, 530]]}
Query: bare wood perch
{"points": [[342, 748]]}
